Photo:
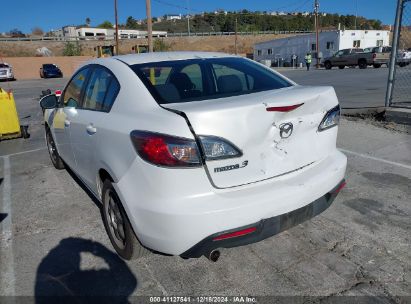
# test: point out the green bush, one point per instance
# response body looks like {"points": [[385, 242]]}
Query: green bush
{"points": [[72, 49], [160, 46]]}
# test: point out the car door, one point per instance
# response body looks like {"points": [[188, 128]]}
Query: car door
{"points": [[337, 58], [69, 102], [99, 94]]}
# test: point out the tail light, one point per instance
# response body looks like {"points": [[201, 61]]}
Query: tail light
{"points": [[374, 55], [171, 151], [331, 119], [165, 150], [218, 148]]}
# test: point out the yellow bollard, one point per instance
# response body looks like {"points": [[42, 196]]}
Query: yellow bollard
{"points": [[9, 120]]}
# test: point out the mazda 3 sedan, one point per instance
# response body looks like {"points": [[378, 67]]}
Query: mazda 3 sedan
{"points": [[191, 152]]}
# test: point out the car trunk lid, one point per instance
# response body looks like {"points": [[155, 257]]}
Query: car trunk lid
{"points": [[277, 131]]}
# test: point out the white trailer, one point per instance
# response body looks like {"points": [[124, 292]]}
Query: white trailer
{"points": [[285, 49]]}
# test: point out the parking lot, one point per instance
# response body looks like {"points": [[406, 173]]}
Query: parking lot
{"points": [[52, 228]]}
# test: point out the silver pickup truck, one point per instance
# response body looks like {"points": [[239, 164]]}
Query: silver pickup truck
{"points": [[375, 56]]}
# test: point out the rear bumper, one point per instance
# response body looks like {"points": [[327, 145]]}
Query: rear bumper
{"points": [[179, 209], [266, 227]]}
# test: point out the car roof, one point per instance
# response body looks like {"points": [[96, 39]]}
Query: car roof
{"points": [[168, 56]]}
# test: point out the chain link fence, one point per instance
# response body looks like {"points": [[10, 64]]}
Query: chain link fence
{"points": [[399, 82]]}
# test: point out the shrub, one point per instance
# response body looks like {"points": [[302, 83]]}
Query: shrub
{"points": [[71, 49]]}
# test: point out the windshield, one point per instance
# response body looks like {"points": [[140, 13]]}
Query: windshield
{"points": [[3, 65], [49, 66], [202, 79]]}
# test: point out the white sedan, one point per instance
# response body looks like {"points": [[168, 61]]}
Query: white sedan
{"points": [[6, 72], [190, 152]]}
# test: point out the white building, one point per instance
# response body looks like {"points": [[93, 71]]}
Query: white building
{"points": [[92, 33], [173, 17], [329, 43]]}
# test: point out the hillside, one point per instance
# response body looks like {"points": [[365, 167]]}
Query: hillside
{"points": [[212, 43], [256, 21]]}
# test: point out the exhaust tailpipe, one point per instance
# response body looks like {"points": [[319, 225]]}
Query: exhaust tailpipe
{"points": [[214, 255]]}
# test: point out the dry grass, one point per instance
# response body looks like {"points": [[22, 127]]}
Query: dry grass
{"points": [[214, 43]]}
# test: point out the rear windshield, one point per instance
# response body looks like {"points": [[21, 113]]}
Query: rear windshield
{"points": [[202, 79]]}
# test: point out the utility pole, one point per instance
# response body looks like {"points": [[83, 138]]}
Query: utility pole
{"points": [[317, 47], [394, 50], [188, 18], [235, 38], [356, 13], [149, 26], [116, 20]]}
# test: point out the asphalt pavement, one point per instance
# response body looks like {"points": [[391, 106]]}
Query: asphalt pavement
{"points": [[51, 228], [355, 88]]}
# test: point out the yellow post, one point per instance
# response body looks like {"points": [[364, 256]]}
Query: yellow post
{"points": [[9, 120], [152, 76]]}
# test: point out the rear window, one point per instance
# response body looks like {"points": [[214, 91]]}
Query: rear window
{"points": [[203, 79]]}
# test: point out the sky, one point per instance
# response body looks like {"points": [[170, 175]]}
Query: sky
{"points": [[53, 14]]}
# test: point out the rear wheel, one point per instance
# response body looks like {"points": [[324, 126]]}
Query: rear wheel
{"points": [[54, 155], [24, 132], [341, 67], [362, 64], [118, 226], [328, 65], [376, 65]]}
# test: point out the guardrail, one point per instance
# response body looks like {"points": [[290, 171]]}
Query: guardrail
{"points": [[184, 34]]}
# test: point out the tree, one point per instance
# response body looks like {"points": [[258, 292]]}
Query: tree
{"points": [[88, 21], [131, 23], [37, 31], [16, 33], [106, 24]]}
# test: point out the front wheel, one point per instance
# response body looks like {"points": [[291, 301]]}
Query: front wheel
{"points": [[376, 65], [54, 155], [328, 65], [118, 226], [341, 67]]}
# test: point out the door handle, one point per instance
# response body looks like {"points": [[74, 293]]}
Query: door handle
{"points": [[91, 129], [66, 123]]}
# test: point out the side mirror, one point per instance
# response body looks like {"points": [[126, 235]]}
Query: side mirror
{"points": [[49, 102]]}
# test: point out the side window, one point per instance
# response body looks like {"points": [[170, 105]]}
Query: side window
{"points": [[72, 94], [231, 80], [111, 94], [97, 89], [193, 71]]}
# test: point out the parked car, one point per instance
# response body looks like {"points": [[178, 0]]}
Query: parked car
{"points": [[211, 151], [50, 70], [356, 57], [6, 72], [404, 57]]}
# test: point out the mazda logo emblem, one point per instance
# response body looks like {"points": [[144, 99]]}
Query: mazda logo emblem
{"points": [[286, 129]]}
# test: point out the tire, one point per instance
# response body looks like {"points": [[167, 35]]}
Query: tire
{"points": [[328, 65], [24, 130], [118, 227], [376, 65], [401, 64], [341, 67], [362, 64], [54, 154]]}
